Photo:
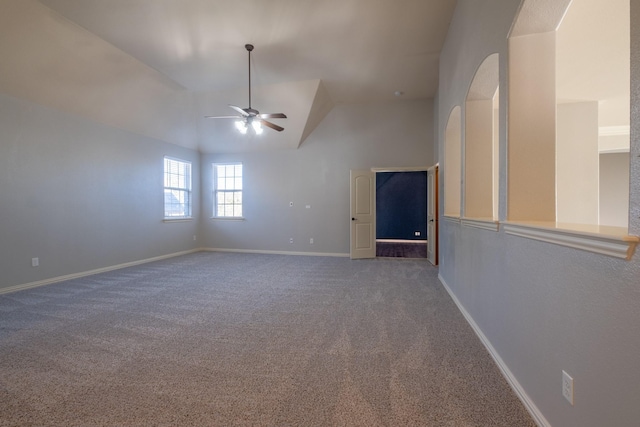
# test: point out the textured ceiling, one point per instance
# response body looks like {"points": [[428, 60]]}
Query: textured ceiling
{"points": [[182, 59]]}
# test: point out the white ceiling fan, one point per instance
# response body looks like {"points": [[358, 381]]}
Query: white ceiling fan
{"points": [[249, 116]]}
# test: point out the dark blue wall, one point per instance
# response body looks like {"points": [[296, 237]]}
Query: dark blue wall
{"points": [[401, 205]]}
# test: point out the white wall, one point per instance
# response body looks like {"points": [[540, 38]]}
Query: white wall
{"points": [[317, 174], [542, 307], [577, 160], [80, 195]]}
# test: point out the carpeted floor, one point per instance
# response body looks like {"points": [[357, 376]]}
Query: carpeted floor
{"points": [[221, 339]]}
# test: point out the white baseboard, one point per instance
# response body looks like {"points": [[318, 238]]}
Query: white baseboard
{"points": [[91, 272], [539, 419], [255, 251]]}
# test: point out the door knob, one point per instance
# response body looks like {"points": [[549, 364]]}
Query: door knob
{"points": [[353, 219]]}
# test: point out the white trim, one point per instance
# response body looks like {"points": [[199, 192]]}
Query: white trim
{"points": [[613, 151], [178, 219], [614, 130], [452, 219], [228, 218], [91, 272], [178, 159], [531, 407], [619, 246], [483, 224], [256, 251], [401, 169]]}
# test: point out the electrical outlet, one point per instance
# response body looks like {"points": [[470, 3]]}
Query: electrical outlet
{"points": [[194, 237], [567, 387], [35, 262], [291, 240], [417, 233], [311, 241]]}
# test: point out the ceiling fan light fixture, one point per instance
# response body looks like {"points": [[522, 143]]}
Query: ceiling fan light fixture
{"points": [[257, 127], [241, 125]]}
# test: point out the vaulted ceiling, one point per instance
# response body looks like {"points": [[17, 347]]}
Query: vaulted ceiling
{"points": [[157, 67]]}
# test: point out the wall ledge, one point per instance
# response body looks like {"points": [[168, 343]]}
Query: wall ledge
{"points": [[481, 223], [452, 219], [611, 241]]}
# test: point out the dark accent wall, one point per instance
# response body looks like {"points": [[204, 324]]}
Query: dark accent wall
{"points": [[401, 205]]}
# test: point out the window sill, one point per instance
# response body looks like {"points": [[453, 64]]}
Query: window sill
{"points": [[481, 223], [228, 218], [177, 219], [611, 241]]}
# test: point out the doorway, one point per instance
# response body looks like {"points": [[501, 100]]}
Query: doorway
{"points": [[401, 213]]}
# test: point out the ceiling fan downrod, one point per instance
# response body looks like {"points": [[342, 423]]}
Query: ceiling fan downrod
{"points": [[249, 48]]}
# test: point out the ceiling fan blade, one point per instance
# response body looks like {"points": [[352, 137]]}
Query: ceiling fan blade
{"points": [[224, 117], [272, 126], [272, 116], [239, 110]]}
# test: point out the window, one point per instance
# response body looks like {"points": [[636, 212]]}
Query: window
{"points": [[177, 188], [228, 190]]}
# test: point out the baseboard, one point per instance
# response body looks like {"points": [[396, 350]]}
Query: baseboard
{"points": [[255, 251], [91, 272], [537, 416]]}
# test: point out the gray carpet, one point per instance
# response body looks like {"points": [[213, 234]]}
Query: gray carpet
{"points": [[220, 339]]}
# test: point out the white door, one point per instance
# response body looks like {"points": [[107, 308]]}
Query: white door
{"points": [[432, 215], [363, 235]]}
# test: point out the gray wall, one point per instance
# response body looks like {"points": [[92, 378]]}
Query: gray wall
{"points": [[80, 195], [317, 174], [542, 307]]}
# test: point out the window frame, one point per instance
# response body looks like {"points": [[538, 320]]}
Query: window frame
{"points": [[186, 190], [234, 190]]}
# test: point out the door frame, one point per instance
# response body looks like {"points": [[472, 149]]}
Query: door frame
{"points": [[400, 169], [432, 213]]}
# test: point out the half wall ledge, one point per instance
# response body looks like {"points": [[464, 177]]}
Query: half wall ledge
{"points": [[611, 241]]}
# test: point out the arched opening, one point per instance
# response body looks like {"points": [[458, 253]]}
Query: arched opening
{"points": [[481, 142], [569, 113]]}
